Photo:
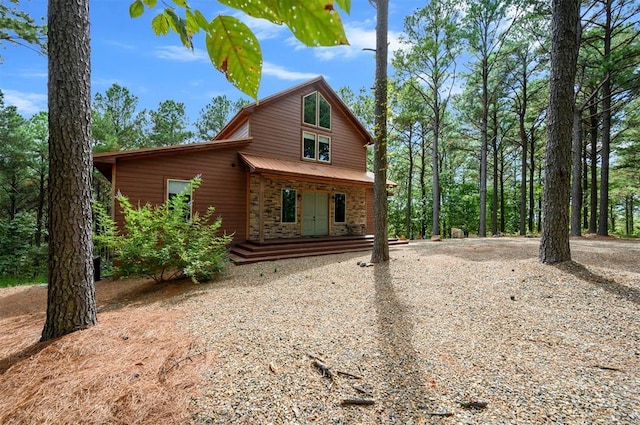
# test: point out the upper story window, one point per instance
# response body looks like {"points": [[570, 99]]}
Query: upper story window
{"points": [[316, 147], [316, 111]]}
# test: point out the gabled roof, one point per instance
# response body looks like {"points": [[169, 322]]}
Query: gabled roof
{"points": [[319, 82], [103, 161], [312, 170]]}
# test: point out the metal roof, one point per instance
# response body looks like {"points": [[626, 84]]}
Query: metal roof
{"points": [[304, 169]]}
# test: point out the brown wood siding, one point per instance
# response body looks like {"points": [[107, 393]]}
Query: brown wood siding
{"points": [[277, 131], [223, 186], [369, 202]]}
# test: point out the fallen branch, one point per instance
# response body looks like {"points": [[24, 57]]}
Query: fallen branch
{"points": [[348, 375], [615, 369], [441, 414], [162, 374], [362, 390], [323, 368], [474, 404], [358, 401]]}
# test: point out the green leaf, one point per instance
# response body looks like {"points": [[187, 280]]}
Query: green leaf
{"points": [[160, 25], [265, 9], [234, 50], [136, 9], [344, 5], [181, 3], [150, 3], [193, 23], [179, 26], [201, 20], [314, 22]]}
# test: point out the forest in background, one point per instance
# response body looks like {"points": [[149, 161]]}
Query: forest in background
{"points": [[467, 107]]}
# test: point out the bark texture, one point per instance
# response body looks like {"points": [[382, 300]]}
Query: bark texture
{"points": [[71, 297], [380, 242], [554, 243]]}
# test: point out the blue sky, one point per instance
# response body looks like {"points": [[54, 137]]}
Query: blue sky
{"points": [[127, 52]]}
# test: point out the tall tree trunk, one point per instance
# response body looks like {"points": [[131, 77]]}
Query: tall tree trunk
{"points": [[554, 243], [606, 126], [576, 181], [408, 227], [593, 196], [502, 207], [70, 298], [523, 175], [435, 222], [423, 186], [380, 251], [494, 147], [482, 231], [532, 174], [40, 209], [585, 185]]}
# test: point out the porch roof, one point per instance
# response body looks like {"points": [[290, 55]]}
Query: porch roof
{"points": [[308, 170]]}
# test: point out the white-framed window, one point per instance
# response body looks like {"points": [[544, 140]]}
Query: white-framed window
{"points": [[316, 110], [289, 207], [340, 208], [316, 147], [324, 148], [175, 187], [309, 145]]}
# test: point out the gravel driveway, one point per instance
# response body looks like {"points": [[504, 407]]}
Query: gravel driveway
{"points": [[472, 331]]}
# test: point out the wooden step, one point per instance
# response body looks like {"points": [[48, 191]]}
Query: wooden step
{"points": [[251, 252]]}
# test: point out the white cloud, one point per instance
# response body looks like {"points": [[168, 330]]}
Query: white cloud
{"points": [[181, 54], [27, 103], [362, 39], [281, 73], [263, 29], [115, 43]]}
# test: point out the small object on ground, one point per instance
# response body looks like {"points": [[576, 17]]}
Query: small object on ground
{"points": [[364, 389], [273, 368], [316, 357], [365, 264], [442, 413], [513, 297], [604, 367], [474, 404], [326, 373], [358, 401], [349, 375]]}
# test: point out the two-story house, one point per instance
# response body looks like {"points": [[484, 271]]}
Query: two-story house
{"points": [[293, 165]]}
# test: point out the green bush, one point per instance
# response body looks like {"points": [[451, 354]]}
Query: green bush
{"points": [[163, 242]]}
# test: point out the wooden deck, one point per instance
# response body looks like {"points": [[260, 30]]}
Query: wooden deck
{"points": [[279, 249]]}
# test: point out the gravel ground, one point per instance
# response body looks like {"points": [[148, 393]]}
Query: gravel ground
{"points": [[472, 331]]}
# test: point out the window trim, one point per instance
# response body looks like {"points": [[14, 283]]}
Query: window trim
{"points": [[328, 161], [315, 146], [316, 114], [295, 206], [335, 204], [188, 183], [316, 138]]}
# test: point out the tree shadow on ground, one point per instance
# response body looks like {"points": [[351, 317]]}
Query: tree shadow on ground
{"points": [[578, 270], [405, 392], [14, 358]]}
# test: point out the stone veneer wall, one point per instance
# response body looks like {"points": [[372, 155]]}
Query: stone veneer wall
{"points": [[274, 229]]}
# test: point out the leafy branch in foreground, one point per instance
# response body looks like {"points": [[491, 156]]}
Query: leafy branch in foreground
{"points": [[164, 242], [233, 48]]}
